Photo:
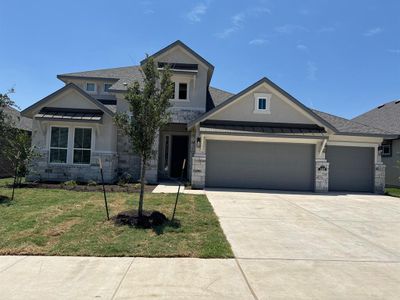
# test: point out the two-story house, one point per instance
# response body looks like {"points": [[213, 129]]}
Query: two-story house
{"points": [[261, 137]]}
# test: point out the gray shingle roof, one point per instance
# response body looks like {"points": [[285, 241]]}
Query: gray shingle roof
{"points": [[344, 126], [386, 117], [218, 96]]}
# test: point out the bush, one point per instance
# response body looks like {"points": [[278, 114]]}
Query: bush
{"points": [[124, 179], [70, 183], [92, 183]]}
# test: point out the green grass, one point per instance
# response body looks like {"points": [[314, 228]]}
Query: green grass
{"points": [[394, 192], [60, 222]]}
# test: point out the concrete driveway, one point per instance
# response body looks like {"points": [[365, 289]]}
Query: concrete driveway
{"points": [[311, 246]]}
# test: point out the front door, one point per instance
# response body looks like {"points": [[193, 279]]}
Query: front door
{"points": [[179, 152]]}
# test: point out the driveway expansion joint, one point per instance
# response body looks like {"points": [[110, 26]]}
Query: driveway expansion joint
{"points": [[122, 279], [245, 279]]}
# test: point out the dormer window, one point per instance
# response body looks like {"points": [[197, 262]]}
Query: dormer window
{"points": [[181, 91], [107, 87], [90, 87], [262, 103]]}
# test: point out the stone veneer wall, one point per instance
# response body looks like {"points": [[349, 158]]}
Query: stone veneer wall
{"points": [[199, 170], [42, 170], [128, 161], [321, 175], [379, 178]]}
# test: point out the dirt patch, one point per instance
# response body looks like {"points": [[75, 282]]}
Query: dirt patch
{"points": [[61, 228]]}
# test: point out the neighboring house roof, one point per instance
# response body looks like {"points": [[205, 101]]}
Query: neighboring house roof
{"points": [[386, 117], [248, 89], [19, 121], [345, 126], [28, 111], [215, 97]]}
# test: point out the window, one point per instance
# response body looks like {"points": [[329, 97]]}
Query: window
{"points": [[107, 87], [183, 91], [90, 87], [262, 103], [387, 149], [58, 145], [82, 145]]}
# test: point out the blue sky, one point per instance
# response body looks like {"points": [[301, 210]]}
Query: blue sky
{"points": [[341, 57]]}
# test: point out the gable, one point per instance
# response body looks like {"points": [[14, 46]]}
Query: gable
{"points": [[282, 110], [69, 96], [177, 55]]}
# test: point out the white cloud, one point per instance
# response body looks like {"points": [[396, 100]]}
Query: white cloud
{"points": [[301, 47], [373, 31], [394, 51], [257, 42], [289, 29], [195, 14], [311, 70], [238, 20]]}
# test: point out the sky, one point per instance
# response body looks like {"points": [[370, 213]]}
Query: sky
{"points": [[341, 57]]}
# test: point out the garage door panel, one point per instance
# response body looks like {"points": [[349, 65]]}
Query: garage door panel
{"points": [[350, 168], [260, 165]]}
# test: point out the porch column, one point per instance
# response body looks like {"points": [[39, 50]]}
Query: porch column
{"points": [[379, 178], [152, 165], [199, 161], [199, 170], [321, 175]]}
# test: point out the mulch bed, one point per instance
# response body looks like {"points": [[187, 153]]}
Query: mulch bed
{"points": [[130, 187], [149, 219]]}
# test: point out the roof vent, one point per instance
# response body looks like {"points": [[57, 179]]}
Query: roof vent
{"points": [[380, 106]]}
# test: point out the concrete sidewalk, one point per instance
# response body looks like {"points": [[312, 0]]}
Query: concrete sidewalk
{"points": [[43, 277]]}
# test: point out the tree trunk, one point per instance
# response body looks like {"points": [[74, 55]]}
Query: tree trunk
{"points": [[142, 178]]}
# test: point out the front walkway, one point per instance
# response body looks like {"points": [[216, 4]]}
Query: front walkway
{"points": [[312, 246]]}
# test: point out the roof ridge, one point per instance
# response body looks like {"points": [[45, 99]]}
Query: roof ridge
{"points": [[215, 88], [97, 70]]}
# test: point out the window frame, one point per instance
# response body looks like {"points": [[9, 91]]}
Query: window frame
{"points": [[71, 140], [267, 97], [104, 87], [95, 87], [176, 90], [50, 147], [87, 149], [389, 145]]}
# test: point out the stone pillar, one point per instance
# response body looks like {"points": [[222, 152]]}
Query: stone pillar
{"points": [[379, 178], [321, 175], [199, 170], [152, 165]]}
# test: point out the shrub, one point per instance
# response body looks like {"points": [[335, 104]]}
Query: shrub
{"points": [[70, 183], [92, 183]]}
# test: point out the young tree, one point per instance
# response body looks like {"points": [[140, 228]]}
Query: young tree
{"points": [[148, 106], [6, 122]]}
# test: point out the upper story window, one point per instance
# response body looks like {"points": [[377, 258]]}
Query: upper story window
{"points": [[90, 87], [262, 103], [181, 91], [107, 87], [82, 145], [59, 145]]}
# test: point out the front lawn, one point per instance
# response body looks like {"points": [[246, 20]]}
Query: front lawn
{"points": [[394, 192], [60, 222]]}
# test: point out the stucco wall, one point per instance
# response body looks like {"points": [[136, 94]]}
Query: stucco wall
{"points": [[393, 165], [99, 85], [280, 110]]}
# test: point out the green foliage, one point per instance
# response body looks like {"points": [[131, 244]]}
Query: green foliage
{"points": [[92, 183], [148, 107], [69, 183]]}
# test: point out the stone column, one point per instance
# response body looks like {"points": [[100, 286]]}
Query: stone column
{"points": [[199, 170], [152, 165], [321, 176], [379, 178]]}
